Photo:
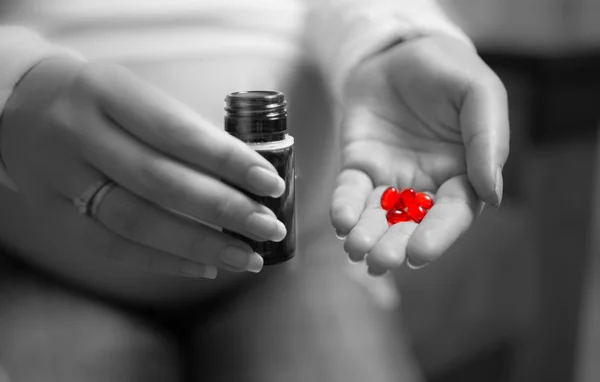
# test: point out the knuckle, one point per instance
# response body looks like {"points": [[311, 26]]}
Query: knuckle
{"points": [[223, 209], [226, 159], [156, 182]]}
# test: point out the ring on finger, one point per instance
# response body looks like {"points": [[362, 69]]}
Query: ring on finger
{"points": [[88, 203]]}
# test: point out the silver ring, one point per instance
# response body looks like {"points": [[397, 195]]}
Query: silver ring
{"points": [[87, 204]]}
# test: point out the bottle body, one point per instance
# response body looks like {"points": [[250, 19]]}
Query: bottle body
{"points": [[259, 119]]}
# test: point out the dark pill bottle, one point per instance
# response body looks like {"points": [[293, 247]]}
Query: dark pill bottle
{"points": [[259, 118]]}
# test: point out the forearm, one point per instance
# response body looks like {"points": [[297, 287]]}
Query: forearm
{"points": [[20, 50], [342, 33]]}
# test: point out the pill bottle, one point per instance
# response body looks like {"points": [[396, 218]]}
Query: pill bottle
{"points": [[259, 119]]}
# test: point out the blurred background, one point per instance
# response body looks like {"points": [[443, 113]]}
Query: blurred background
{"points": [[518, 299], [515, 300]]}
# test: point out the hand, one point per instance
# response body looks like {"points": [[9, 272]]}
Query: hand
{"points": [[427, 114], [69, 124]]}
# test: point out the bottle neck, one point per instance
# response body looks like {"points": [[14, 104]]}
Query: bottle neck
{"points": [[256, 116], [256, 130]]}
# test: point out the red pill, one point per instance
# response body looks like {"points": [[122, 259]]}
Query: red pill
{"points": [[396, 216], [400, 205], [389, 198], [423, 200], [406, 198], [416, 212]]}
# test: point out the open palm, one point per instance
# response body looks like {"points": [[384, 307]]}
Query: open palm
{"points": [[426, 114]]}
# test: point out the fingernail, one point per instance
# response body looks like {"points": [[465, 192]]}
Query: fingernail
{"points": [[199, 270], [340, 235], [499, 188], [240, 259], [266, 226], [356, 259], [414, 266], [265, 181], [376, 271]]}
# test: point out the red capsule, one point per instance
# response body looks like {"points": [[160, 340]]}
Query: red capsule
{"points": [[423, 200], [406, 198], [396, 216], [400, 205], [416, 212], [389, 198]]}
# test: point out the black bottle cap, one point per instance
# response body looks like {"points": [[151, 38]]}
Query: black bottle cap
{"points": [[256, 116]]}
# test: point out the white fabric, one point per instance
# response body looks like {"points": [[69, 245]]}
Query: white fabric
{"points": [[344, 32], [340, 33]]}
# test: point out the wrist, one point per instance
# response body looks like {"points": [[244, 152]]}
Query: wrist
{"points": [[30, 98], [385, 29], [40, 87], [385, 65]]}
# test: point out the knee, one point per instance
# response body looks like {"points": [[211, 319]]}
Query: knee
{"points": [[47, 334]]}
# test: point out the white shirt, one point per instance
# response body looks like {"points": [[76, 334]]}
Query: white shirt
{"points": [[340, 33]]}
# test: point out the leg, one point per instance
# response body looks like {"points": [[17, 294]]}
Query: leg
{"points": [[50, 335], [309, 321]]}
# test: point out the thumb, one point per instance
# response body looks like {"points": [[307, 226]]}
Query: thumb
{"points": [[486, 135]]}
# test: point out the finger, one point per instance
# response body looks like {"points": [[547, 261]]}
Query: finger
{"points": [[150, 260], [141, 222], [390, 250], [456, 206], [119, 250], [169, 184], [371, 226], [486, 134], [349, 198], [171, 127]]}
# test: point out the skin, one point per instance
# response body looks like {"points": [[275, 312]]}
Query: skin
{"points": [[92, 122], [68, 122], [427, 114]]}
